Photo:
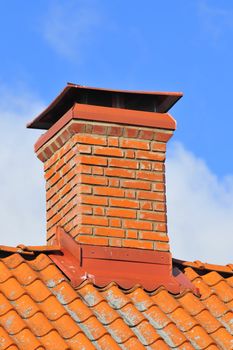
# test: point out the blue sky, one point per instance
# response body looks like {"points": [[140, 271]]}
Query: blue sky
{"points": [[155, 45]]}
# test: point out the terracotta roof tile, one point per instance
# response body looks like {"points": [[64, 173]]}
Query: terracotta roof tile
{"points": [[39, 308]]}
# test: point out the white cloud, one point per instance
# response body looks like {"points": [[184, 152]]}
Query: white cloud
{"points": [[69, 27], [200, 209], [22, 196]]}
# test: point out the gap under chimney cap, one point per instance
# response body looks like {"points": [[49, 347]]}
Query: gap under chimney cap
{"points": [[150, 101]]}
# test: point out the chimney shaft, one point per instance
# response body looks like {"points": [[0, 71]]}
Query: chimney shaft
{"points": [[105, 176]]}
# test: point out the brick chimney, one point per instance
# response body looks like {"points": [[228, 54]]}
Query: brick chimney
{"points": [[103, 155]]}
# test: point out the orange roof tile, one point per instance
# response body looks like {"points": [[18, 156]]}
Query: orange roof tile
{"points": [[39, 309]]}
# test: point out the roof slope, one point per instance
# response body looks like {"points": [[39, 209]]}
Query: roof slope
{"points": [[40, 310]]}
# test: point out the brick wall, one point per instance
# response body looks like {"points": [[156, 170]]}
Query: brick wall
{"points": [[105, 184]]}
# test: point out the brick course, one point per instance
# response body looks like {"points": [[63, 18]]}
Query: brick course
{"points": [[105, 184]]}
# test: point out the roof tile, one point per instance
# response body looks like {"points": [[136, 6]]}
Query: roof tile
{"points": [[215, 306], [38, 291], [52, 308], [78, 310], [5, 340], [172, 335], [25, 340], [106, 343], [80, 341], [93, 328], [183, 320], [165, 301], [105, 313], [157, 317], [12, 289], [208, 321], [199, 338], [12, 322], [66, 326], [52, 338], [120, 331], [40, 308], [223, 338], [39, 324], [25, 306], [191, 303], [146, 333], [131, 315]]}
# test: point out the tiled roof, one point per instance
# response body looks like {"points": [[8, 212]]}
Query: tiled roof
{"points": [[39, 309]]}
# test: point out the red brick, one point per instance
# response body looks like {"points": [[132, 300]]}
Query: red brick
{"points": [[64, 190], [77, 128], [160, 207], [97, 170], [109, 191], [157, 166], [134, 243], [132, 234], [146, 205], [65, 169], [158, 146], [161, 217], [115, 242], [130, 194], [159, 186], [145, 165], [153, 236], [99, 129], [152, 176], [84, 169], [53, 169], [161, 227], [115, 222], [139, 225], [156, 196], [92, 240], [94, 220], [146, 134], [113, 141], [94, 180], [162, 246], [129, 153], [108, 151], [130, 132], [90, 140], [84, 149], [123, 163], [99, 211], [93, 160], [85, 189], [125, 203], [95, 200], [85, 209], [121, 213], [142, 185], [150, 155], [109, 231], [136, 144], [120, 173], [162, 136], [115, 131], [54, 179], [113, 182], [80, 230]]}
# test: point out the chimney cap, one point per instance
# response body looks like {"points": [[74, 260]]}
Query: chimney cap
{"points": [[159, 102]]}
